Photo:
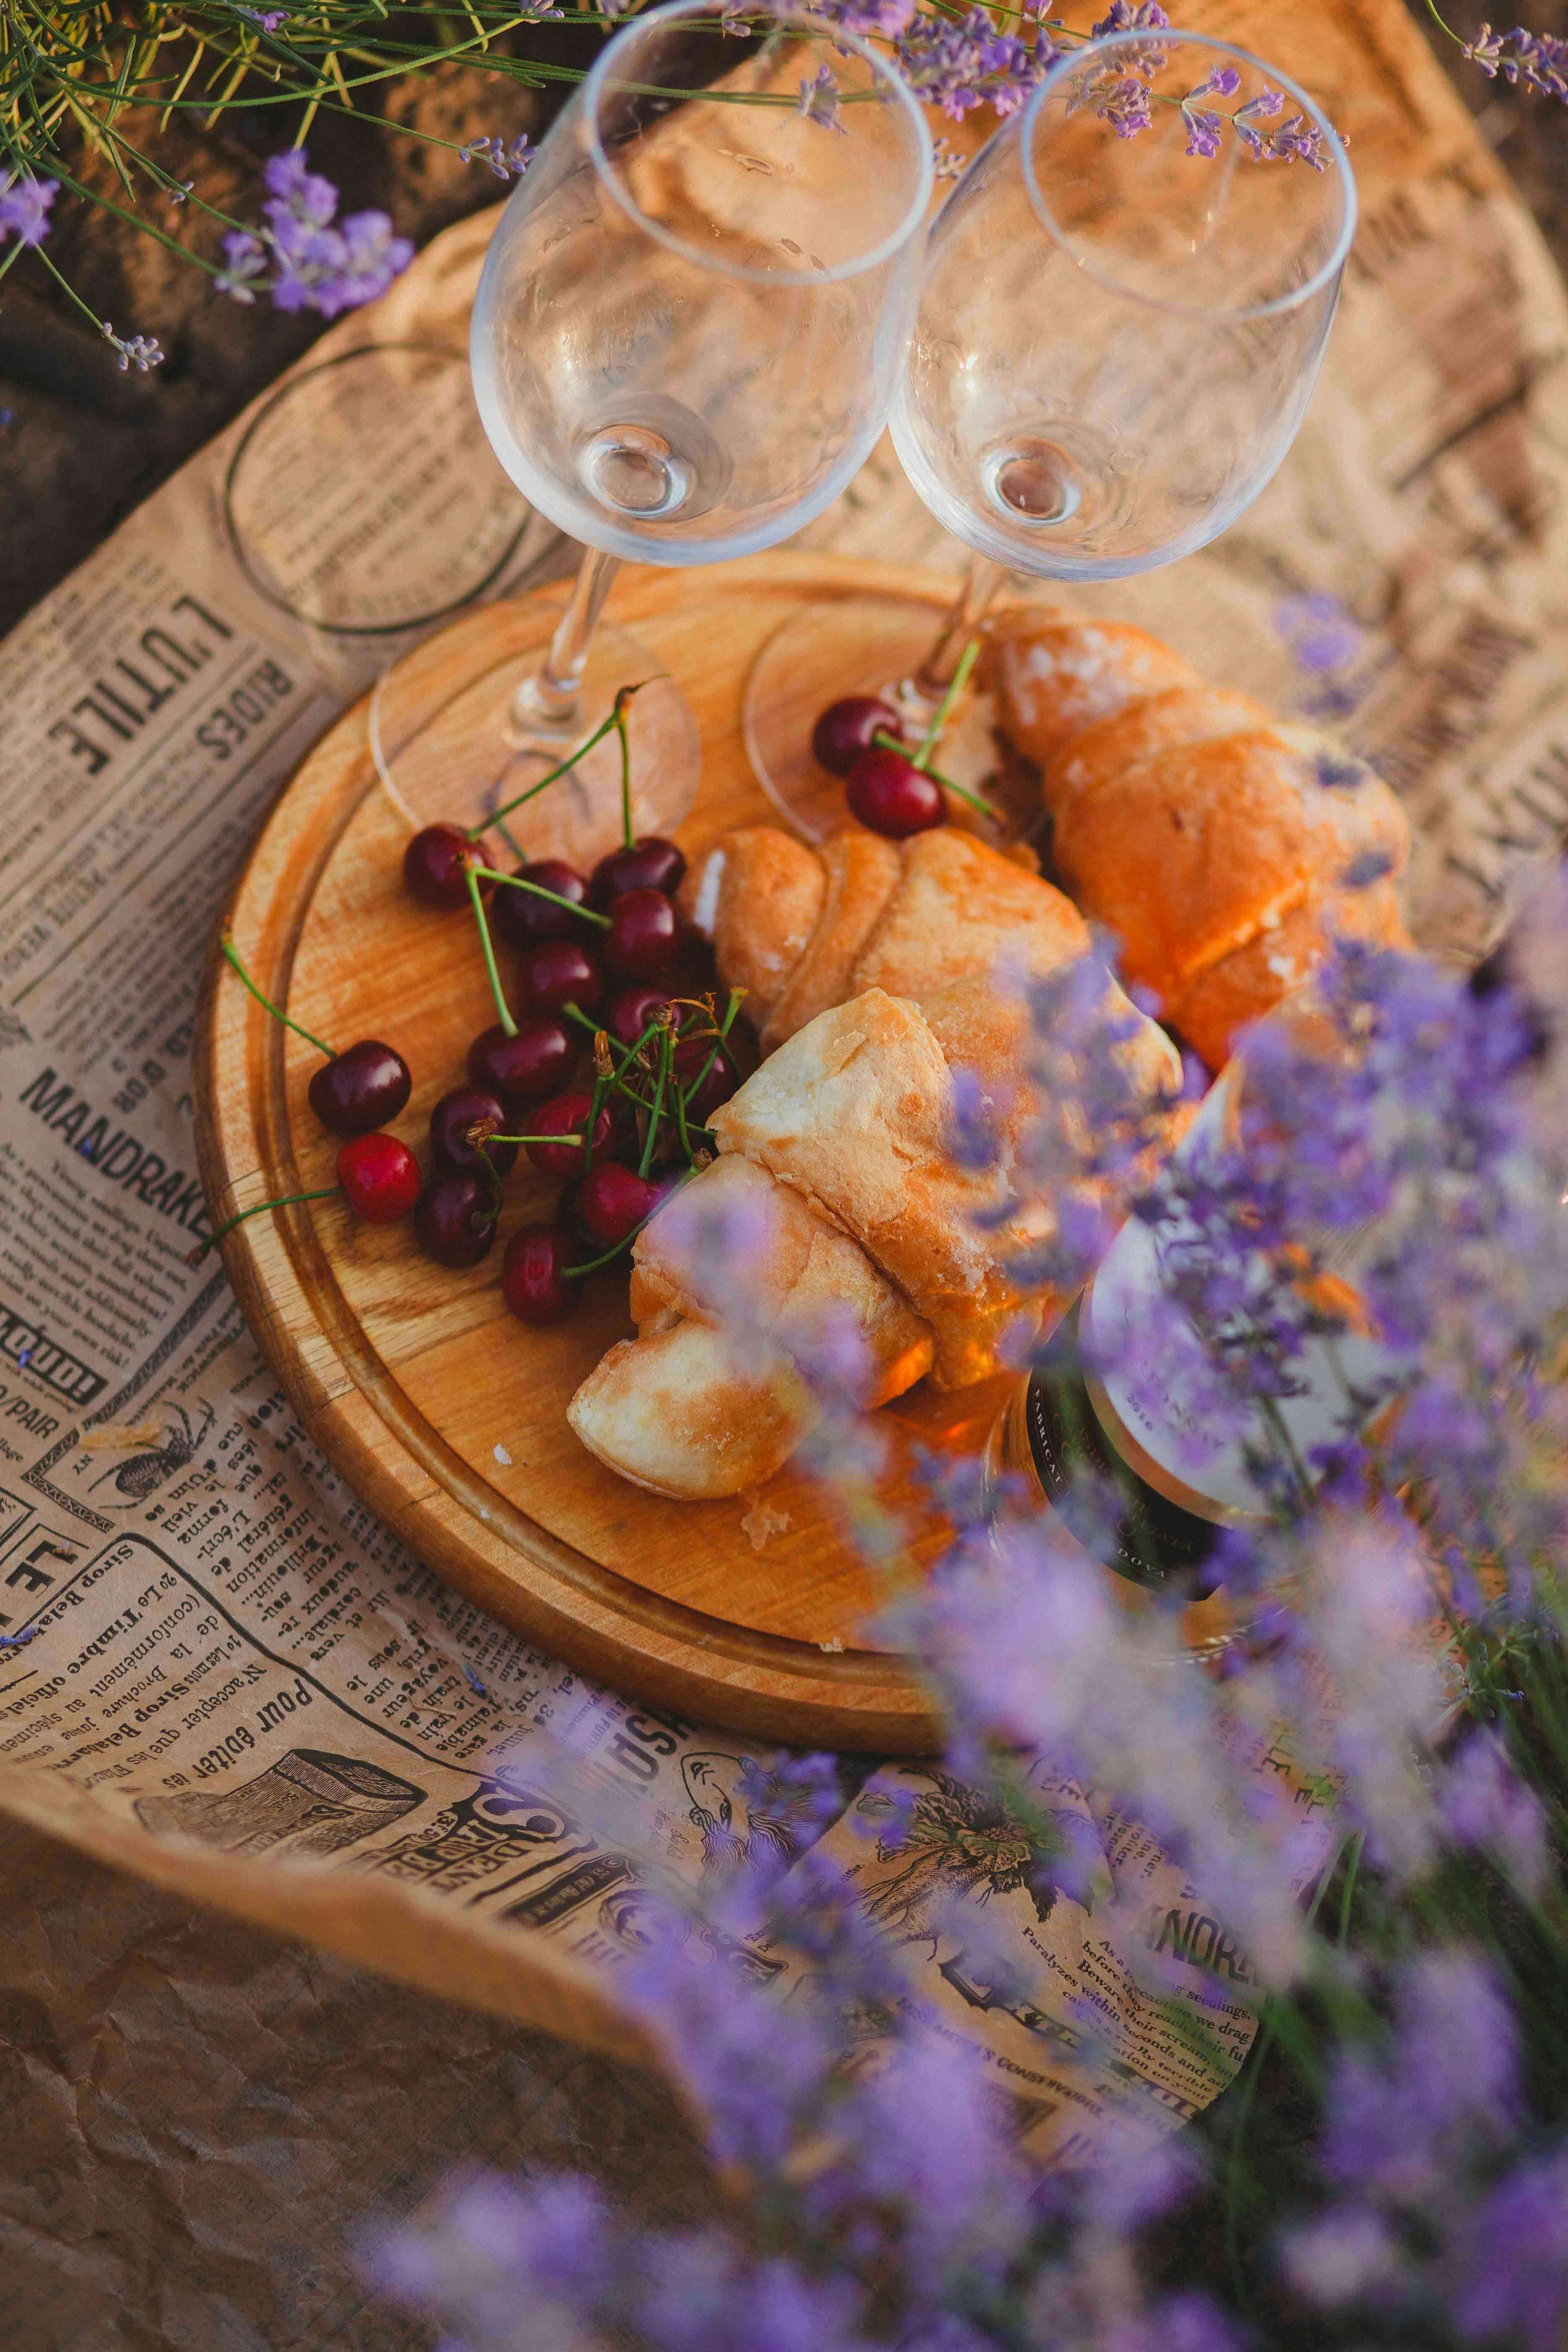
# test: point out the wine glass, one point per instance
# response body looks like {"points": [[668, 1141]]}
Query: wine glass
{"points": [[1118, 334], [685, 342]]}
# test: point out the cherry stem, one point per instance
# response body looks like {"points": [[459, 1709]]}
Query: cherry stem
{"points": [[730, 1011], [975, 800], [665, 1057], [478, 832], [478, 1141], [496, 1137], [502, 1007], [626, 834], [231, 956], [285, 1200], [516, 882], [572, 1272], [959, 680]]}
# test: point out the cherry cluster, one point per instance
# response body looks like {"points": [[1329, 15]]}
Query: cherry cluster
{"points": [[606, 1080], [608, 966], [889, 784]]}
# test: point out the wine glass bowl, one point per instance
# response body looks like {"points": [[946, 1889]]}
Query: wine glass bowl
{"points": [[685, 338], [1122, 312], [1118, 337], [692, 314]]}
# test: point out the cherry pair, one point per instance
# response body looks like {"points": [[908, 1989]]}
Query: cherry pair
{"points": [[889, 785]]}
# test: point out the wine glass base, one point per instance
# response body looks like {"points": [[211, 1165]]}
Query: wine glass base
{"points": [[865, 644], [454, 756]]}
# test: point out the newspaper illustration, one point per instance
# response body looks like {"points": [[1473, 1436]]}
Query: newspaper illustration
{"points": [[216, 1666]]}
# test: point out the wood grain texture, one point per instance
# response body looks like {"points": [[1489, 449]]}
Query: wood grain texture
{"points": [[410, 1376]]}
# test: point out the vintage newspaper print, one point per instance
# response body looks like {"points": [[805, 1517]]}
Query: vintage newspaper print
{"points": [[206, 1644]]}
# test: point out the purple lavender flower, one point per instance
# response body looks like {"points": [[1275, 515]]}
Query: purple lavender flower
{"points": [[1203, 128], [1145, 58], [1529, 60], [1245, 123], [245, 258], [506, 162], [24, 210], [297, 193], [1445, 2088], [1299, 141], [317, 262], [268, 18], [142, 353], [1506, 2270], [819, 99], [1485, 1805], [959, 63]]}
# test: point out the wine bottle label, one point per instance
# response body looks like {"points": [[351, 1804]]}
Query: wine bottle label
{"points": [[1154, 1538], [1161, 1432]]}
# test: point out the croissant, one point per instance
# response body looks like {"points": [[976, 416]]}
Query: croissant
{"points": [[1223, 848], [802, 929], [832, 1157]]}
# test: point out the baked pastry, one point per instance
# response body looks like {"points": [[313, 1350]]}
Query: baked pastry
{"points": [[835, 1179], [802, 929], [1224, 850]]}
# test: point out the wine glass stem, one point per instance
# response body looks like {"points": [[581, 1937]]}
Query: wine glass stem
{"points": [[975, 598], [549, 696]]}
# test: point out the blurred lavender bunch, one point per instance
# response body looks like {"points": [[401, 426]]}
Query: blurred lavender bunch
{"points": [[879, 2183], [300, 259]]}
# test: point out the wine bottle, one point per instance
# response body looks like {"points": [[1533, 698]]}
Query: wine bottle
{"points": [[1072, 1434]]}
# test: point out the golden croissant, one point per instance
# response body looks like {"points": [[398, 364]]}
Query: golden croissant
{"points": [[833, 1180], [1223, 848]]}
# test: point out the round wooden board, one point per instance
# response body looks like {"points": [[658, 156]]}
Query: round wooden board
{"points": [[412, 1379]]}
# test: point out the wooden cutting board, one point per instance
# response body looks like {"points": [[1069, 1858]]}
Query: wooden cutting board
{"points": [[441, 1410]]}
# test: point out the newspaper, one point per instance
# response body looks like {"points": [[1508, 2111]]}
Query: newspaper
{"points": [[215, 1667]]}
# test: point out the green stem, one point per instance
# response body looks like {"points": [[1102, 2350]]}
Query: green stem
{"points": [[285, 1200], [516, 882], [477, 832], [502, 1007], [975, 800], [620, 719], [231, 956], [665, 1058], [497, 1138], [959, 680], [730, 1011]]}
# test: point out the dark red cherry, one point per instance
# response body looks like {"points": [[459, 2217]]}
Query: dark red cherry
{"points": [[569, 1217], [893, 796], [715, 1087], [694, 971], [845, 730], [455, 1218], [524, 1069], [363, 1087], [628, 1013], [644, 932], [523, 920], [613, 1201], [379, 1178], [453, 1123], [649, 864], [568, 1114], [435, 866], [533, 1272], [558, 972]]}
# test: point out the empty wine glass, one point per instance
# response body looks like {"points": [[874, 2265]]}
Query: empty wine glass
{"points": [[1119, 328], [685, 342]]}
